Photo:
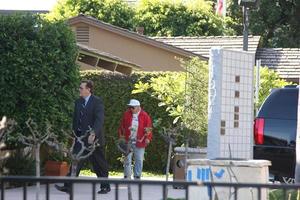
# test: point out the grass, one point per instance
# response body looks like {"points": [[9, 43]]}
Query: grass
{"points": [[120, 174], [278, 194]]}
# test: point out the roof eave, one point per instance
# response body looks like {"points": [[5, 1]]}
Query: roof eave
{"points": [[133, 35]]}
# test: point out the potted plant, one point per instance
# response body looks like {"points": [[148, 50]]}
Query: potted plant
{"points": [[56, 165]]}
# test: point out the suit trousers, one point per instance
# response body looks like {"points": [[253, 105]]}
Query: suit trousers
{"points": [[99, 163]]}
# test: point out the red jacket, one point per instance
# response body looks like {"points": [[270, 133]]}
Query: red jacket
{"points": [[144, 121]]}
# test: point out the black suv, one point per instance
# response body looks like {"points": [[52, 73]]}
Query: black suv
{"points": [[275, 131]]}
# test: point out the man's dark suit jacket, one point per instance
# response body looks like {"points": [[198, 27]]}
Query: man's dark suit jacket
{"points": [[93, 116]]}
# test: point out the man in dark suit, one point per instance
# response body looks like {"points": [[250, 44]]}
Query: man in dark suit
{"points": [[89, 113]]}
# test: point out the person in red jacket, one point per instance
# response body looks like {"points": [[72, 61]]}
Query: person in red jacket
{"points": [[136, 129]]}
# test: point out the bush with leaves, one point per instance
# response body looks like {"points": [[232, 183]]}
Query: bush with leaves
{"points": [[269, 79], [159, 18], [185, 96], [20, 164], [178, 18], [115, 12], [38, 74]]}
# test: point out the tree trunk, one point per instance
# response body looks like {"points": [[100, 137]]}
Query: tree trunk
{"points": [[168, 168], [74, 167]]}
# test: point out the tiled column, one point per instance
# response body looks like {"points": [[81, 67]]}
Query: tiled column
{"points": [[230, 106]]}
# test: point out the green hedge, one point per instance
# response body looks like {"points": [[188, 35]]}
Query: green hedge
{"points": [[115, 90], [38, 74]]}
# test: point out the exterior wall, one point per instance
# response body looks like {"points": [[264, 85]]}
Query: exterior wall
{"points": [[227, 171], [149, 57]]}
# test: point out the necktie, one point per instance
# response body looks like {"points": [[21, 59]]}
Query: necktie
{"points": [[82, 108]]}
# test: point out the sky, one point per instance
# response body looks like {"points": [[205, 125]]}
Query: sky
{"points": [[27, 4]]}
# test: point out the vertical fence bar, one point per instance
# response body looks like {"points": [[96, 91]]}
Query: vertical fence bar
{"points": [[71, 191], [94, 191], [258, 193], [235, 193], [164, 192], [117, 192], [2, 190], [47, 191], [140, 191], [187, 191], [24, 191]]}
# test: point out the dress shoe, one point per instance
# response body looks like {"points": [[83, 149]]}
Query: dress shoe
{"points": [[62, 188], [104, 191]]}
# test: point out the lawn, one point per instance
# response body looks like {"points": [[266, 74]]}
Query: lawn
{"points": [[278, 194], [120, 174]]}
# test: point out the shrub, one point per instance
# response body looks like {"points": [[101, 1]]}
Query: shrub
{"points": [[38, 74], [14, 168]]}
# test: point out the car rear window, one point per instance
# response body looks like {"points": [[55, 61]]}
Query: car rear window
{"points": [[280, 104]]}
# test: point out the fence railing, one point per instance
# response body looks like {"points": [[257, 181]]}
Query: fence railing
{"points": [[165, 185]]}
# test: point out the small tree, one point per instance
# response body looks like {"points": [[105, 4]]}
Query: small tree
{"points": [[35, 140], [184, 94], [83, 150]]}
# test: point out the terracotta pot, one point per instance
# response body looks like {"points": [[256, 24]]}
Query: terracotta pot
{"points": [[56, 168]]}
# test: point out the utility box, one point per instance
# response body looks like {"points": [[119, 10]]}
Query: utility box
{"points": [[179, 158], [227, 171]]}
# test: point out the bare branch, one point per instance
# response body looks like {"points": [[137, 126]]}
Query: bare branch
{"points": [[84, 150], [48, 134], [23, 140]]}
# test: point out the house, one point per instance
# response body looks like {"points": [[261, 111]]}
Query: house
{"points": [[105, 46], [202, 45], [91, 59], [285, 61]]}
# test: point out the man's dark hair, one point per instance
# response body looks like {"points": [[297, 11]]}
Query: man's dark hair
{"points": [[89, 84]]}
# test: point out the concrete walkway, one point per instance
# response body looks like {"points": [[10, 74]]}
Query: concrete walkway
{"points": [[83, 192]]}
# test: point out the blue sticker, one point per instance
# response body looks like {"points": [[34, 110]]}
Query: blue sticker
{"points": [[219, 174]]}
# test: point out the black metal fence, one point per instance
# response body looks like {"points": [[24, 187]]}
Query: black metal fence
{"points": [[165, 185]]}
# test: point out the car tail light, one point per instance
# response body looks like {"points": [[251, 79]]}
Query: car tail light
{"points": [[259, 124]]}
